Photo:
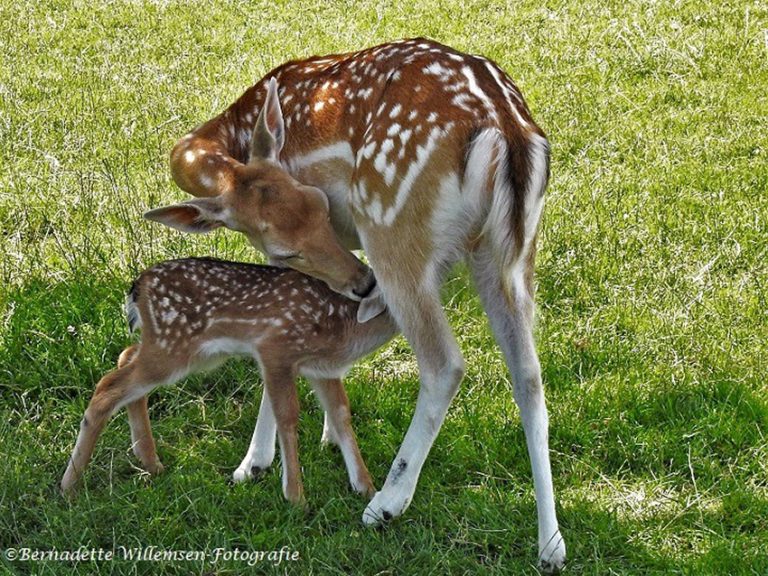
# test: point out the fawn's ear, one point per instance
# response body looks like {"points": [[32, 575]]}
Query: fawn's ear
{"points": [[371, 306], [197, 216], [269, 132]]}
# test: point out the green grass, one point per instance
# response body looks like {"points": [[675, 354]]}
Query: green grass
{"points": [[652, 273]]}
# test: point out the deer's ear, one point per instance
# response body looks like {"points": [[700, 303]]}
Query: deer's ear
{"points": [[197, 216], [269, 132]]}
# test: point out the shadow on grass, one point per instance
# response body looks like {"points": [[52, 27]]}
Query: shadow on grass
{"points": [[625, 428], [61, 337]]}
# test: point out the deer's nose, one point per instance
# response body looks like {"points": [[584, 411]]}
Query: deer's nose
{"points": [[367, 287]]}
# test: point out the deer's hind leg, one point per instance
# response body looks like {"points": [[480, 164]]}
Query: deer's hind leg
{"points": [[127, 385], [142, 441], [511, 317]]}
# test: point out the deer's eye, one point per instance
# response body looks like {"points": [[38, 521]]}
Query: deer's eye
{"points": [[288, 257]]}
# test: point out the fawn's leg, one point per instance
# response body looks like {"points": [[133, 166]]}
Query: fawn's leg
{"points": [[261, 452], [113, 391], [281, 386], [333, 398], [142, 442], [129, 383]]}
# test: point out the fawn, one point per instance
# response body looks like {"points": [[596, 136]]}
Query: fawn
{"points": [[196, 312]]}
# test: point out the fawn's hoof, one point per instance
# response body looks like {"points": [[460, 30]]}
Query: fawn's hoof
{"points": [[156, 468]]}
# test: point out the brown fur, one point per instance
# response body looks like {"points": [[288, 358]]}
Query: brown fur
{"points": [[294, 324]]}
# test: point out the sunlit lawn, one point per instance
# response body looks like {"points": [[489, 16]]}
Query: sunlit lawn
{"points": [[651, 278]]}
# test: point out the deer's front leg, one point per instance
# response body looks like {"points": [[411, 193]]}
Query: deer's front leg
{"points": [[329, 434], [419, 313], [261, 452]]}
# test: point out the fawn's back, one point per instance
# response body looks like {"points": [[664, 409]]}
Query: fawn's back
{"points": [[195, 308]]}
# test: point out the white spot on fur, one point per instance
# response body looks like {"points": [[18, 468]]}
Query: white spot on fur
{"points": [[475, 89], [437, 69], [380, 163], [169, 316], [369, 149], [507, 92], [337, 151], [423, 154]]}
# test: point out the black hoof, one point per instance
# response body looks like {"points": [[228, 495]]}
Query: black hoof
{"points": [[257, 472], [546, 567]]}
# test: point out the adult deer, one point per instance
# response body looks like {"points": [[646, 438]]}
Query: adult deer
{"points": [[427, 155]]}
